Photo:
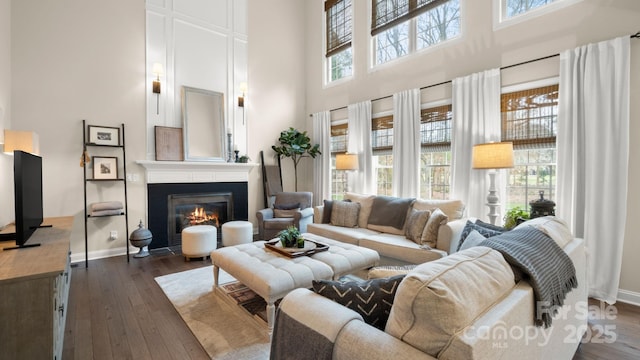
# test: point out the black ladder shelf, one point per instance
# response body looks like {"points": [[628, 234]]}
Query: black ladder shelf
{"points": [[86, 144]]}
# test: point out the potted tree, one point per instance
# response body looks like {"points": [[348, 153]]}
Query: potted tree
{"points": [[296, 145]]}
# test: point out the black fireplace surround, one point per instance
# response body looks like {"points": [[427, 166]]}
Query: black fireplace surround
{"points": [[158, 204]]}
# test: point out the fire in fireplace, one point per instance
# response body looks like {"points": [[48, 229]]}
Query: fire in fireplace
{"points": [[197, 209]]}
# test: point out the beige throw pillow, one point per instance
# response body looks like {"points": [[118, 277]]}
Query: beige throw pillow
{"points": [[454, 209], [416, 222], [440, 299], [345, 213], [366, 202], [430, 233]]}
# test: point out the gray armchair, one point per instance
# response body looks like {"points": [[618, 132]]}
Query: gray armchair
{"points": [[269, 225]]}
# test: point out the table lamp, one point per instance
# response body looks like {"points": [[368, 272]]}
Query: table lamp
{"points": [[492, 156], [347, 162]]}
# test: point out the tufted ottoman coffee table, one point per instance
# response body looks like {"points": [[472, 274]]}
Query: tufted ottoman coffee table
{"points": [[272, 276]]}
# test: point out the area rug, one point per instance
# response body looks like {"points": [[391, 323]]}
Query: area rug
{"points": [[225, 330]]}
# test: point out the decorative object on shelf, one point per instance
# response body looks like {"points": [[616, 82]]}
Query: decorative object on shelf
{"points": [[290, 237], [347, 162], [157, 71], [105, 167], [493, 156], [169, 144], [237, 152], [103, 135], [514, 217], [229, 146], [27, 141], [296, 145], [542, 207], [141, 238], [243, 159]]}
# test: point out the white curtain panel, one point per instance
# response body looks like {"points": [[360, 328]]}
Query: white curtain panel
{"points": [[476, 120], [406, 143], [322, 163], [359, 142], [593, 153]]}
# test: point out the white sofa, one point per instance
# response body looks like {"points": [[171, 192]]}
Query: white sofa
{"points": [[393, 245], [500, 326]]}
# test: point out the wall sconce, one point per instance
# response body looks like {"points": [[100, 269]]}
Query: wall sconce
{"points": [[157, 71], [243, 90], [27, 141]]}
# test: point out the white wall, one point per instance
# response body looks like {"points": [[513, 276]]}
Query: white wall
{"points": [[276, 77], [6, 162], [74, 60], [201, 44], [481, 48]]}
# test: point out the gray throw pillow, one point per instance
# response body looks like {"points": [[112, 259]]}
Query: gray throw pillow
{"points": [[345, 213], [389, 211], [372, 299], [486, 230], [416, 221], [473, 239]]}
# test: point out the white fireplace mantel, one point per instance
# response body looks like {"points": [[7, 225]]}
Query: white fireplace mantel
{"points": [[166, 172]]}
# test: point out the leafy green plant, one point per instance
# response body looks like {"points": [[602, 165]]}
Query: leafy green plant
{"points": [[514, 215], [290, 237], [296, 145]]}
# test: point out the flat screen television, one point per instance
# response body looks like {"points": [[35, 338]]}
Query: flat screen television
{"points": [[27, 177]]}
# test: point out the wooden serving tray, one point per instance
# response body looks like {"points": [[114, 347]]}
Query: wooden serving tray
{"points": [[274, 245]]}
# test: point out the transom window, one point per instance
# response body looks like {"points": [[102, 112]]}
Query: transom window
{"points": [[338, 35], [513, 11], [401, 27], [529, 120]]}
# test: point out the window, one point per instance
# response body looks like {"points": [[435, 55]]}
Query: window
{"points": [[512, 8], [514, 11], [338, 34], [382, 147], [339, 135], [529, 120], [435, 157], [401, 27]]}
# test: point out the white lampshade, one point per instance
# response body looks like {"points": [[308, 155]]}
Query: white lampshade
{"points": [[27, 141], [157, 69], [346, 161], [495, 155]]}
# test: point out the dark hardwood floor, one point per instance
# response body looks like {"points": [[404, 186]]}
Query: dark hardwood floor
{"points": [[117, 311]]}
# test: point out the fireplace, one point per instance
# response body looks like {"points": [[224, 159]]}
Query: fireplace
{"points": [[186, 210], [228, 199]]}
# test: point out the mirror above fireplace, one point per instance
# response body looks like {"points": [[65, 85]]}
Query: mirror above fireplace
{"points": [[203, 125]]}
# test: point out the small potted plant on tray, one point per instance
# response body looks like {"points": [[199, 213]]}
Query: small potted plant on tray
{"points": [[290, 237]]}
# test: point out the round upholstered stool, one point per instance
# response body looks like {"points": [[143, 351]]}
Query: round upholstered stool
{"points": [[237, 232], [199, 241]]}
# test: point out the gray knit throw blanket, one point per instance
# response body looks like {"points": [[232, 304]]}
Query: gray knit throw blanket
{"points": [[544, 264]]}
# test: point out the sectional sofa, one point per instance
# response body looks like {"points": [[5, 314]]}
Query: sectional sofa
{"points": [[469, 305]]}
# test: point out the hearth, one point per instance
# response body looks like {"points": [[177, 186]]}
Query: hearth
{"points": [[186, 210]]}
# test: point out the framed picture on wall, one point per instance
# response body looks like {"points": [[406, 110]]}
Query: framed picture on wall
{"points": [[105, 167], [103, 135], [169, 143]]}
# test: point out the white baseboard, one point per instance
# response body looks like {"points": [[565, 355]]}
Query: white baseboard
{"points": [[100, 254], [629, 297]]}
